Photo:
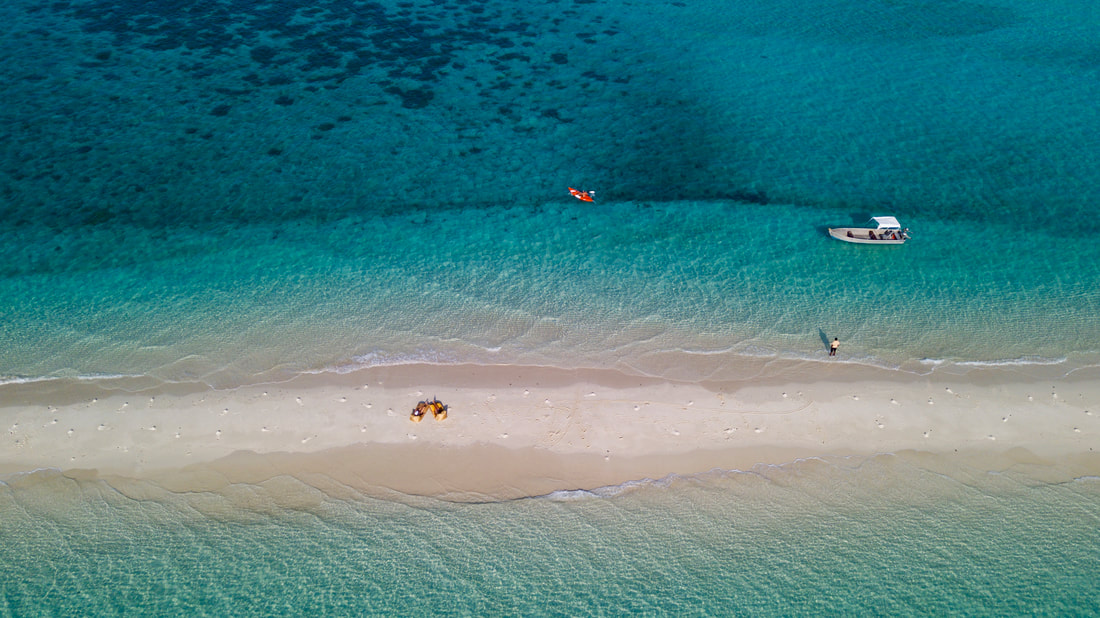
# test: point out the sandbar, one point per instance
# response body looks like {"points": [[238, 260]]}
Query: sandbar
{"points": [[517, 431]]}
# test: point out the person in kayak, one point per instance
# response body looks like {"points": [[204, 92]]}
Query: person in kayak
{"points": [[584, 196]]}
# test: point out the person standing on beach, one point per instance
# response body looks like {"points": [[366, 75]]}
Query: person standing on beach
{"points": [[833, 346]]}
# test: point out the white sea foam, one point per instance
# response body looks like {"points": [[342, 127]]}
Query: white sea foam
{"points": [[76, 378], [1014, 362]]}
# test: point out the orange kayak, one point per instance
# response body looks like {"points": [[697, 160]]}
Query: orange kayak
{"points": [[584, 196]]}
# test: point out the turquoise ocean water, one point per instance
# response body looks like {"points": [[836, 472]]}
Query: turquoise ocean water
{"points": [[886, 536], [236, 191]]}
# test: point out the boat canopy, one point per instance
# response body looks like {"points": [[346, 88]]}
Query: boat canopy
{"points": [[886, 223]]}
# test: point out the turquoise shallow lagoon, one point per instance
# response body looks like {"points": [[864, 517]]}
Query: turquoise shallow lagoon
{"points": [[233, 192], [888, 535]]}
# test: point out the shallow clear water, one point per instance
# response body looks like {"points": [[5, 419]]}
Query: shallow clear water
{"points": [[227, 192], [886, 535]]}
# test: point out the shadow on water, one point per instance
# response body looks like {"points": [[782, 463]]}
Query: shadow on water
{"points": [[824, 339]]}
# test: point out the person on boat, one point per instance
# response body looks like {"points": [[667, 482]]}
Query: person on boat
{"points": [[871, 235], [833, 346], [584, 196]]}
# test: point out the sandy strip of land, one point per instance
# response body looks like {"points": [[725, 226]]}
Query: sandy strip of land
{"points": [[514, 431]]}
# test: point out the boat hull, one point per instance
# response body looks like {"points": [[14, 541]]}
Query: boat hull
{"points": [[862, 236]]}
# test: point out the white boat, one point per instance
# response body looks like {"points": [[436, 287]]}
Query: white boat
{"points": [[877, 231]]}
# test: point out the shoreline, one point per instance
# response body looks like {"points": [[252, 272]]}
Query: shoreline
{"points": [[519, 431]]}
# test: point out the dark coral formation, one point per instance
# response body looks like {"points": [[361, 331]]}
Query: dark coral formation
{"points": [[324, 42]]}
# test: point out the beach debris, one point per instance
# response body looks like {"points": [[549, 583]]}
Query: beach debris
{"points": [[434, 406]]}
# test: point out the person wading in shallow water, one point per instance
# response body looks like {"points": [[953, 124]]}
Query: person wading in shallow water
{"points": [[833, 346]]}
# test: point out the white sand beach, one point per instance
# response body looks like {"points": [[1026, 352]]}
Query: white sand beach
{"points": [[516, 431]]}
